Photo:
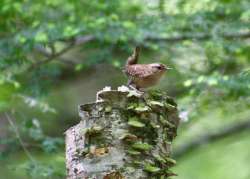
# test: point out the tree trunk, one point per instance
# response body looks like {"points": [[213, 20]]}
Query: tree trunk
{"points": [[123, 135]]}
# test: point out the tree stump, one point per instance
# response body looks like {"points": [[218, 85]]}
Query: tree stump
{"points": [[123, 135]]}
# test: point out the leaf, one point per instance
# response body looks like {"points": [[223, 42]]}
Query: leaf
{"points": [[155, 94], [137, 162], [94, 130], [150, 168], [188, 83], [170, 106], [131, 106], [170, 124], [16, 84], [142, 109], [170, 160], [133, 152], [159, 158], [108, 109], [116, 63], [97, 128], [170, 173], [155, 103], [82, 152], [142, 146], [135, 123], [128, 136], [70, 31], [79, 67], [154, 125], [41, 37], [128, 24], [166, 122]]}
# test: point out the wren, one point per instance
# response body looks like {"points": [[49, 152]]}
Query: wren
{"points": [[142, 76]]}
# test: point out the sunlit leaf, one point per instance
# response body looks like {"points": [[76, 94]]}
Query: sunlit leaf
{"points": [[142, 146], [41, 37], [152, 169], [135, 123]]}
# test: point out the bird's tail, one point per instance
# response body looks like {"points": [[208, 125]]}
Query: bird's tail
{"points": [[133, 59]]}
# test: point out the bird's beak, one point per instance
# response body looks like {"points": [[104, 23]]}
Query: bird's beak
{"points": [[168, 68]]}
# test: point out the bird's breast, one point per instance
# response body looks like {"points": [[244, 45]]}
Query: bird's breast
{"points": [[148, 81]]}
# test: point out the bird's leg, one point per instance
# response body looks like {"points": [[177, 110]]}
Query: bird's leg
{"points": [[140, 91], [129, 82], [133, 87], [130, 85]]}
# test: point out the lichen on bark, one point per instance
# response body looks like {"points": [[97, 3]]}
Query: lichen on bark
{"points": [[123, 135]]}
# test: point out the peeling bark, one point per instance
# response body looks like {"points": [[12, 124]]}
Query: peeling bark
{"points": [[123, 135]]}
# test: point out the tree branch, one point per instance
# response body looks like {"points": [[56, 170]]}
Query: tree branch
{"points": [[15, 128], [53, 55], [84, 39], [200, 36], [75, 41], [50, 57], [212, 137]]}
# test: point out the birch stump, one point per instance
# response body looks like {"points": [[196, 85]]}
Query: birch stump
{"points": [[123, 135]]}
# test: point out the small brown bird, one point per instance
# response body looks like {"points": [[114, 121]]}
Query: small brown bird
{"points": [[143, 75]]}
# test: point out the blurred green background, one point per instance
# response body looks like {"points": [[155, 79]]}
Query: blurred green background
{"points": [[55, 55]]}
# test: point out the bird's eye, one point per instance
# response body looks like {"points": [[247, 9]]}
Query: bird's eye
{"points": [[159, 67]]}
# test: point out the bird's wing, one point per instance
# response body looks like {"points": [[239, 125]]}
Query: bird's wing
{"points": [[139, 70]]}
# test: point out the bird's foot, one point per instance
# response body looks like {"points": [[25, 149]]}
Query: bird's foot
{"points": [[131, 87], [140, 92]]}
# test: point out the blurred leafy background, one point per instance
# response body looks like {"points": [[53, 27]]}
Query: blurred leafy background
{"points": [[55, 54]]}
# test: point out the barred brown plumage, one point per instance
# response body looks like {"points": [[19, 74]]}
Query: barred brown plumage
{"points": [[143, 75]]}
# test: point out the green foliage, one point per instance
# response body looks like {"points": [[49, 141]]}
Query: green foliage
{"points": [[142, 146], [51, 145], [206, 42], [135, 123], [151, 169], [208, 165], [113, 24], [223, 86], [39, 170]]}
